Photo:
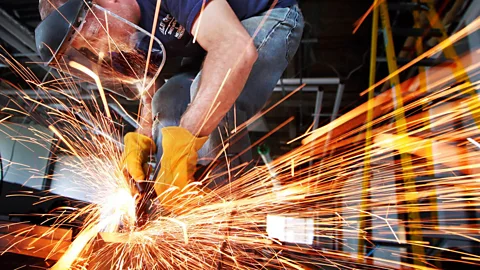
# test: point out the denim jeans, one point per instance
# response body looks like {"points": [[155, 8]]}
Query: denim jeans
{"points": [[276, 42]]}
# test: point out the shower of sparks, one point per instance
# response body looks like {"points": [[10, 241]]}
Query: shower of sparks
{"points": [[226, 228]]}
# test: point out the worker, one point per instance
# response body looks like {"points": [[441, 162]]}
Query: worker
{"points": [[245, 46]]}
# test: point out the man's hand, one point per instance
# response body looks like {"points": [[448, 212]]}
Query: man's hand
{"points": [[139, 145], [178, 162], [135, 155]]}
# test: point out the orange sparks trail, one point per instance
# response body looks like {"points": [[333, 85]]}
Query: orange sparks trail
{"points": [[358, 23], [60, 136], [97, 81], [301, 211]]}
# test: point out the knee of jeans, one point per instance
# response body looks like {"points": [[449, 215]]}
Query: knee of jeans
{"points": [[250, 102], [295, 36], [173, 97]]}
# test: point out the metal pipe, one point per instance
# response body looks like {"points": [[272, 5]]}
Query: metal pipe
{"points": [[24, 54], [19, 37], [309, 81], [39, 95], [17, 44], [292, 88], [33, 93], [318, 108], [316, 117], [338, 100], [17, 30]]}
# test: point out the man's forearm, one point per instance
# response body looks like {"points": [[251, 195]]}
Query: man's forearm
{"points": [[146, 118], [212, 103]]}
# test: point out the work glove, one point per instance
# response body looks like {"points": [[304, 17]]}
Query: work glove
{"points": [[178, 162], [135, 155]]}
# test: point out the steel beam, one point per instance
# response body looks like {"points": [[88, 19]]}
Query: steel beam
{"points": [[309, 81], [293, 88], [17, 30], [41, 94], [318, 108], [20, 38], [338, 101]]}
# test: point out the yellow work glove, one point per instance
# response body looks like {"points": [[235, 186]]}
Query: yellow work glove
{"points": [[178, 162], [135, 155]]}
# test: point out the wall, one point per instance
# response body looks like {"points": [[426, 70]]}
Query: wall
{"points": [[27, 165], [24, 170]]}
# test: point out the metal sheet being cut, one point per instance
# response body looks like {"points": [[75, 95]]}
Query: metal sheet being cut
{"points": [[34, 240]]}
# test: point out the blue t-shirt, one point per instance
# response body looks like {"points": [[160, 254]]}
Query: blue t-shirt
{"points": [[176, 18]]}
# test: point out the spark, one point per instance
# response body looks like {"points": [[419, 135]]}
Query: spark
{"points": [[97, 81], [474, 142], [384, 219], [55, 130], [358, 23], [150, 44]]}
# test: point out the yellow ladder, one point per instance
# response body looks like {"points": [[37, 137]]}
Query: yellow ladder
{"points": [[414, 233], [409, 187], [364, 221]]}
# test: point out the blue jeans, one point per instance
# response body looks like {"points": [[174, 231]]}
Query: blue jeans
{"points": [[276, 43]]}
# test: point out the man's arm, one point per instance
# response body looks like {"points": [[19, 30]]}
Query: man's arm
{"points": [[229, 47], [146, 118]]}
